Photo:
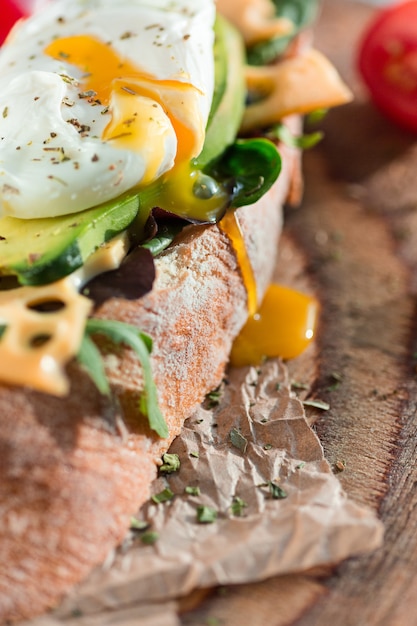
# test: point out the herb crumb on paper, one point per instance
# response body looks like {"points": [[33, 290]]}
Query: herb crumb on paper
{"points": [[301, 510]]}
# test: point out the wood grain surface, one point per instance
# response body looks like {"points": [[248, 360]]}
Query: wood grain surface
{"points": [[356, 234]]}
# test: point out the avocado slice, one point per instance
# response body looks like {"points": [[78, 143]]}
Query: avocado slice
{"points": [[40, 251], [223, 127], [220, 67]]}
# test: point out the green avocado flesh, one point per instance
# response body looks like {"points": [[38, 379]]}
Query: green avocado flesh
{"points": [[41, 251], [223, 127]]}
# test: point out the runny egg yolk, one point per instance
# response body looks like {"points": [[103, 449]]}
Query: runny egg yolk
{"points": [[284, 324], [283, 327], [231, 226], [140, 104]]}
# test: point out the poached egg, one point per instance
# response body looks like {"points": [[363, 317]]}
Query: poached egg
{"points": [[99, 97]]}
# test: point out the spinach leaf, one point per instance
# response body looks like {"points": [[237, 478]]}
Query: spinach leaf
{"points": [[300, 12], [248, 168]]}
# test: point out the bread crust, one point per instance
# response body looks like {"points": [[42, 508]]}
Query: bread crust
{"points": [[73, 471]]}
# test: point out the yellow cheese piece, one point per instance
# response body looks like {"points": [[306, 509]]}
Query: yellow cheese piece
{"points": [[255, 19], [44, 327], [298, 84], [106, 258]]}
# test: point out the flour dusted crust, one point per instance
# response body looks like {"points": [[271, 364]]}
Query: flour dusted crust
{"points": [[74, 470]]}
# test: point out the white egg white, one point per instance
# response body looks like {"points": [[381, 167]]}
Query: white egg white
{"points": [[53, 158]]}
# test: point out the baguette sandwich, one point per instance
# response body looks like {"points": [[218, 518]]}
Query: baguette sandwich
{"points": [[141, 185]]}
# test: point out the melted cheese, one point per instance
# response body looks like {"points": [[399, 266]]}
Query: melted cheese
{"points": [[106, 258], [36, 345], [255, 19], [295, 85]]}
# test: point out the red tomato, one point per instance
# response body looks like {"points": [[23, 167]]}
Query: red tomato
{"points": [[10, 13], [388, 62]]}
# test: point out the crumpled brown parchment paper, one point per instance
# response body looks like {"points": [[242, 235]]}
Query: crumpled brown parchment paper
{"points": [[293, 514]]}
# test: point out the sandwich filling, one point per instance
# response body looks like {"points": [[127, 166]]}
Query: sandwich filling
{"points": [[108, 111]]}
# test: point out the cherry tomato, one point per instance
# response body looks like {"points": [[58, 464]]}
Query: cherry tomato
{"points": [[10, 13], [387, 61]]}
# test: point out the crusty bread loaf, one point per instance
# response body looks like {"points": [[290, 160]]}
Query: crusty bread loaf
{"points": [[74, 470]]}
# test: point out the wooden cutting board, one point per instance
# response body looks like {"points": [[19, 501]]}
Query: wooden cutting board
{"points": [[357, 232]]}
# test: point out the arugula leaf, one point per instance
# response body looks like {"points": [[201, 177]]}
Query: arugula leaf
{"points": [[163, 496], [206, 514], [171, 463], [277, 492], [90, 358], [138, 524], [304, 142], [192, 491], [150, 537], [317, 404], [247, 168], [238, 440], [164, 237], [316, 116], [122, 333], [238, 506], [300, 12]]}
